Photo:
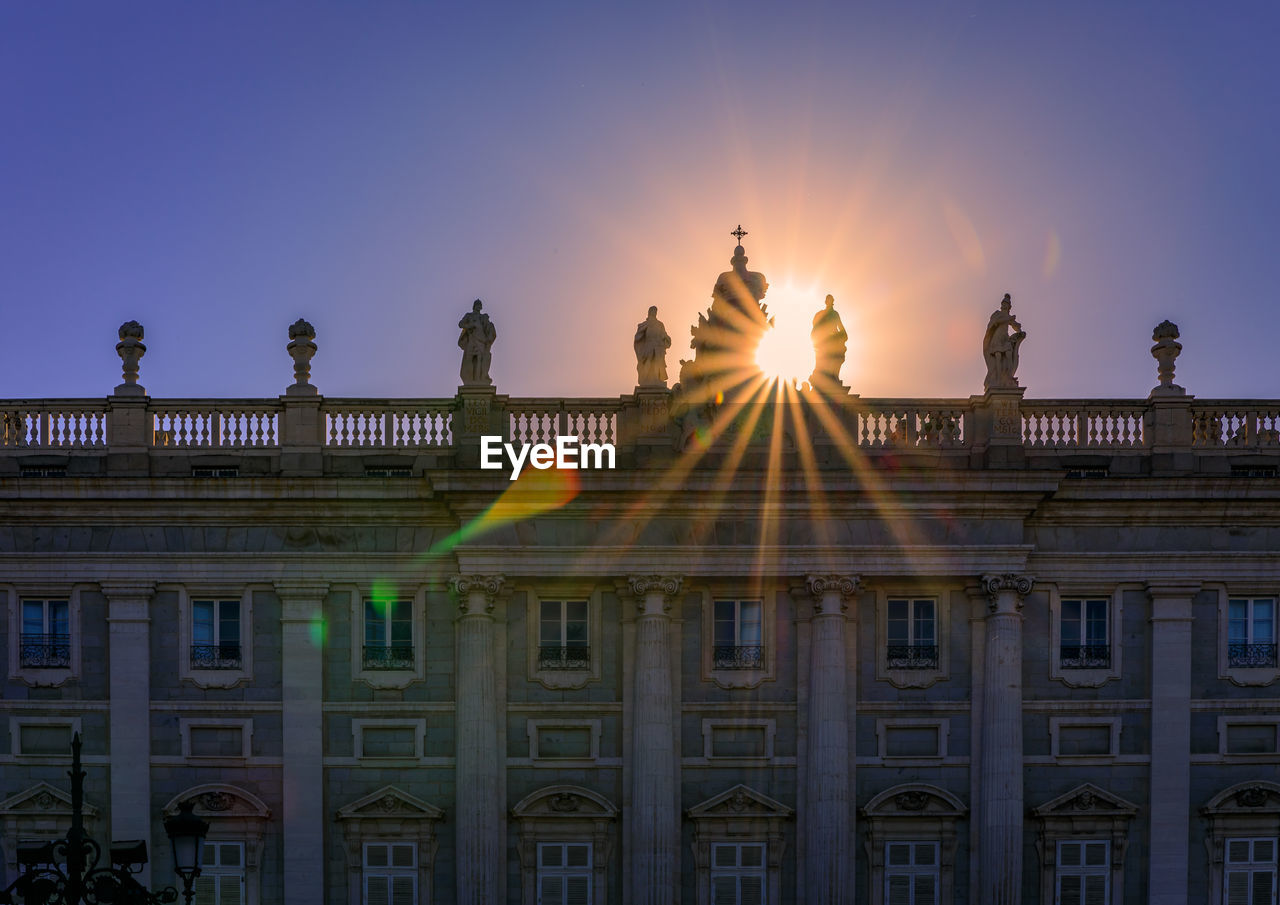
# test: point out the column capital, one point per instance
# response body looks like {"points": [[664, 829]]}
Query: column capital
{"points": [[301, 590], [819, 586], [477, 594], [136, 590], [1005, 587], [642, 585]]}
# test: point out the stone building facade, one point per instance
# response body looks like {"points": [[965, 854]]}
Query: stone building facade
{"points": [[795, 647]]}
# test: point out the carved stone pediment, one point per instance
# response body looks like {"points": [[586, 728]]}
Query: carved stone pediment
{"points": [[915, 799], [564, 801], [1246, 798], [41, 800], [740, 801], [390, 802], [1086, 800], [219, 800]]}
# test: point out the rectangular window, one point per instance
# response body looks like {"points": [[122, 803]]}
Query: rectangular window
{"points": [[911, 873], [390, 873], [569, 742], [911, 629], [737, 873], [45, 642], [564, 873], [215, 634], [562, 635], [1251, 738], [1084, 634], [1084, 871], [1249, 876], [738, 641], [1251, 632], [388, 634], [221, 880]]}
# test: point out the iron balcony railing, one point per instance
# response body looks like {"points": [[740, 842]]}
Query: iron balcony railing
{"points": [[738, 656], [1085, 656], [216, 656], [911, 656], [1251, 656], [44, 651], [564, 656], [396, 655]]}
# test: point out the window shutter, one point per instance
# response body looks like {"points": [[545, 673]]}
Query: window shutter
{"points": [[724, 891], [230, 891], [1264, 851], [926, 890], [403, 891], [377, 891], [577, 891], [551, 891], [752, 855], [229, 854], [1238, 851], [725, 856], [1069, 891], [899, 890], [1095, 890], [577, 856], [402, 856], [1263, 888], [900, 854], [206, 890], [751, 890], [375, 855], [1237, 887]]}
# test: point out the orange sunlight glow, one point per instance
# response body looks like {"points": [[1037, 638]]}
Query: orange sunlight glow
{"points": [[786, 351]]}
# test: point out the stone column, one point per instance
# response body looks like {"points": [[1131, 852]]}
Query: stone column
{"points": [[129, 735], [481, 764], [1170, 740], [655, 816], [828, 818], [1000, 811], [302, 726]]}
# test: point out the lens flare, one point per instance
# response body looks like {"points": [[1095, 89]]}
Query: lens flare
{"points": [[532, 493]]}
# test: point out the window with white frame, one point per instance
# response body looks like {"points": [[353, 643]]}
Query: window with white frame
{"points": [[564, 873], [911, 633], [1251, 632], [388, 634], [45, 641], [215, 634], [1083, 637], [1084, 872], [390, 873], [221, 880], [738, 634], [1249, 875], [738, 873], [562, 635], [911, 873]]}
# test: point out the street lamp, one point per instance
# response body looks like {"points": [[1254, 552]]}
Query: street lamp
{"points": [[186, 831], [66, 872]]}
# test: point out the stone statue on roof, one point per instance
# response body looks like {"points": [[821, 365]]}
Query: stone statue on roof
{"points": [[829, 344], [475, 341], [1000, 346]]}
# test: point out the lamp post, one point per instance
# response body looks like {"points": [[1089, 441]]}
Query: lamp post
{"points": [[66, 872]]}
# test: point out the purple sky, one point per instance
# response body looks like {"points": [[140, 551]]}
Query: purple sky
{"points": [[218, 170]]}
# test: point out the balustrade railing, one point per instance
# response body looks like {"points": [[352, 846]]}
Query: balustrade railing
{"points": [[388, 656], [216, 656], [402, 424], [202, 424], [1106, 424], [541, 421], [1235, 425], [54, 425], [910, 423]]}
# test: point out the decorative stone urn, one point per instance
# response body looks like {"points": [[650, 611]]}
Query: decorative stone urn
{"points": [[301, 348], [130, 349], [1165, 352]]}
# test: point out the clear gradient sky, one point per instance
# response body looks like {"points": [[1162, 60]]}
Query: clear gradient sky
{"points": [[216, 170]]}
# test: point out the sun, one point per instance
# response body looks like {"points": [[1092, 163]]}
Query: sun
{"points": [[786, 351]]}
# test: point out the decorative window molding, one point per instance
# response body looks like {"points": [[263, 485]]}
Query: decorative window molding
{"points": [[1249, 738], [382, 677], [912, 732], [40, 813], [389, 815], [748, 661], [62, 655], [912, 813], [1084, 739], [223, 726], [564, 814], [201, 668], [550, 736], [569, 671], [1248, 810], [739, 815], [1084, 665], [388, 739], [1085, 814], [1254, 657], [913, 665], [23, 745], [234, 815], [717, 734]]}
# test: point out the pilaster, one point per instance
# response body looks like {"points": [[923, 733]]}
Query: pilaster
{"points": [[1001, 807], [302, 724], [1170, 740], [997, 428], [480, 753], [129, 735]]}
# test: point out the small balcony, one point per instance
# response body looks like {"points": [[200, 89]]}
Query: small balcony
{"points": [[395, 655], [911, 656], [1251, 656], [1084, 656], [738, 656], [216, 656], [564, 656], [44, 651]]}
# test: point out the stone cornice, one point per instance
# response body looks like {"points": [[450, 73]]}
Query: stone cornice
{"points": [[128, 589]]}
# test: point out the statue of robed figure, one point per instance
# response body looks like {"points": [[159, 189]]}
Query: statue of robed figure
{"points": [[651, 344], [478, 334], [1000, 346], [829, 344]]}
